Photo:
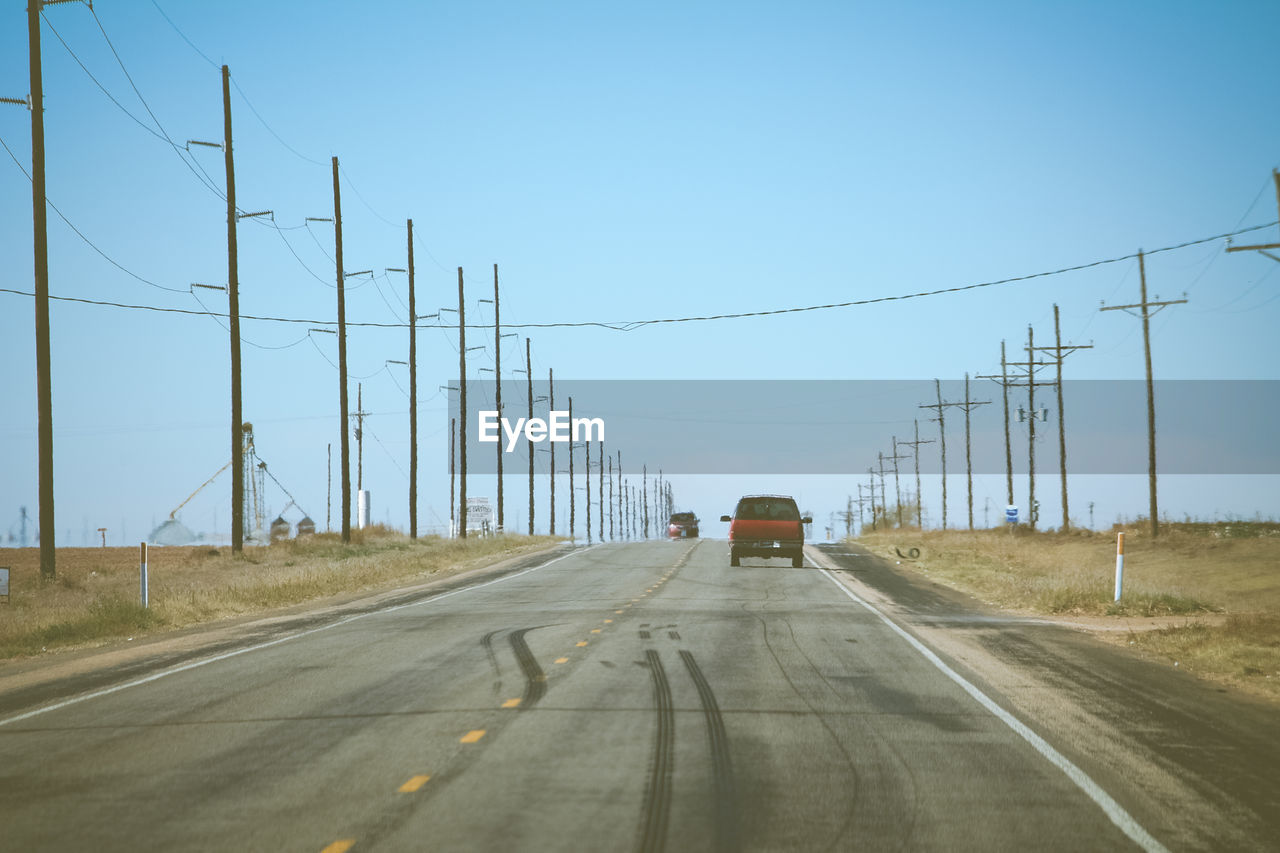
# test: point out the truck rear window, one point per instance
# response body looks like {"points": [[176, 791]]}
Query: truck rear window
{"points": [[767, 509]]}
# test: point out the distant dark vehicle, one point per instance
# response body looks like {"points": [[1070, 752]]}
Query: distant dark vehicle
{"points": [[682, 525], [766, 526]]}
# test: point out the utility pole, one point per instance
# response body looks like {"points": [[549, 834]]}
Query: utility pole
{"points": [[1146, 316], [1032, 509], [359, 416], [586, 476], [968, 404], [1006, 382], [611, 536], [915, 453], [497, 384], [644, 491], [573, 502], [1008, 444], [328, 504], [233, 316], [600, 489], [40, 241], [941, 407], [413, 399], [1060, 352], [871, 477], [343, 416], [862, 501], [897, 490], [622, 500], [462, 407], [453, 455], [528, 372], [233, 310], [551, 404]]}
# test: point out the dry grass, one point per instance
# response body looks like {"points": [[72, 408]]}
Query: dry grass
{"points": [[95, 597], [1191, 569]]}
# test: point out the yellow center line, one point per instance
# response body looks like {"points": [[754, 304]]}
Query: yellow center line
{"points": [[413, 784], [595, 630], [581, 644], [562, 660], [340, 846], [472, 736], [618, 612], [511, 703], [608, 621]]}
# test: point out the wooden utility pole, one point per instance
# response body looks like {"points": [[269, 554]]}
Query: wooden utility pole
{"points": [[233, 317], [573, 502], [453, 467], [1030, 384], [622, 500], [343, 415], [1008, 443], [644, 493], [44, 369], [941, 408], [528, 372], [586, 478], [600, 490], [862, 502], [359, 416], [897, 490], [611, 535], [497, 384], [1146, 316], [413, 398], [462, 408], [1060, 352], [968, 404], [871, 478], [915, 453], [551, 407]]}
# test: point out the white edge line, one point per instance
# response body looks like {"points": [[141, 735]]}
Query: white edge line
{"points": [[1118, 816], [75, 700]]}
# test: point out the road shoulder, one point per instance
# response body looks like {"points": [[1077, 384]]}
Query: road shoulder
{"points": [[1193, 761], [29, 682]]}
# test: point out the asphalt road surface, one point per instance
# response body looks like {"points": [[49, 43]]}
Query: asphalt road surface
{"points": [[644, 697]]}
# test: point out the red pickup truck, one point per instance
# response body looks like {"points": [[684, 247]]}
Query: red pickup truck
{"points": [[766, 526]]}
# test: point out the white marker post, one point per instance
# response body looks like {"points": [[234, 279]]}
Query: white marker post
{"points": [[142, 546], [1119, 563]]}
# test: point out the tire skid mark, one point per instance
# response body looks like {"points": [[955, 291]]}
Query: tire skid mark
{"points": [[535, 680], [854, 777], [487, 642], [726, 806], [657, 806]]}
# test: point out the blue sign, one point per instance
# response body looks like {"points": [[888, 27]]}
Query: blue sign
{"points": [[1011, 514]]}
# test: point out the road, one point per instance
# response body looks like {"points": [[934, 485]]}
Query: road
{"points": [[641, 696]]}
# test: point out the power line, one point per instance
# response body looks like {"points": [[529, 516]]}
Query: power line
{"points": [[98, 83], [176, 148], [81, 235], [623, 327]]}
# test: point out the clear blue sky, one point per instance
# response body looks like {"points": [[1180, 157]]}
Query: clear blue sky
{"points": [[618, 163]]}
